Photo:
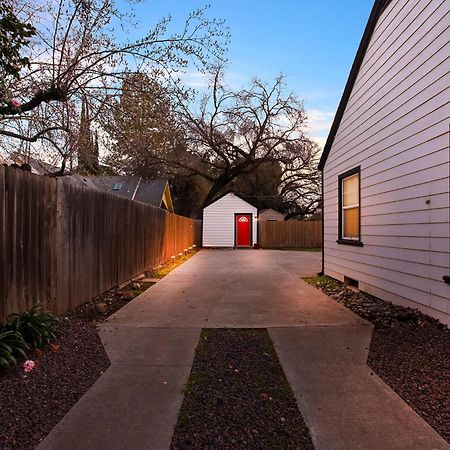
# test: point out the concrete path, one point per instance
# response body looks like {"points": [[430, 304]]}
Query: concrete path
{"points": [[322, 347], [345, 405]]}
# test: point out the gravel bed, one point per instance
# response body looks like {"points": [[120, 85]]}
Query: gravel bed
{"points": [[32, 404], [409, 351], [238, 397]]}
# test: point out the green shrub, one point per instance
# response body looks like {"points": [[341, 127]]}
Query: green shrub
{"points": [[12, 344], [36, 327]]}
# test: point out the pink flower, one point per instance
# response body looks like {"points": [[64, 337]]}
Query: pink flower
{"points": [[28, 365], [15, 102]]}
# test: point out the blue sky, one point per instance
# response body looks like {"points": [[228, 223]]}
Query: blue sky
{"points": [[312, 42]]}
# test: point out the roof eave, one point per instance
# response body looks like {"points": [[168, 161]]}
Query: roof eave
{"points": [[378, 8]]}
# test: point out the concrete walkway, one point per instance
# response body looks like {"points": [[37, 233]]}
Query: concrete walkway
{"points": [[321, 345]]}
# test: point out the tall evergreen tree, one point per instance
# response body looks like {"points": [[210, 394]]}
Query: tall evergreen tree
{"points": [[87, 144]]}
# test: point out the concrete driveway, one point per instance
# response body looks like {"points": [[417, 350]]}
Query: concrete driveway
{"points": [[322, 347], [237, 288]]}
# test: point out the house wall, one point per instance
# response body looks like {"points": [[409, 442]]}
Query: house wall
{"points": [[218, 221], [396, 127]]}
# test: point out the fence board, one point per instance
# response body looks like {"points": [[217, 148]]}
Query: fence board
{"points": [[62, 244], [291, 234]]}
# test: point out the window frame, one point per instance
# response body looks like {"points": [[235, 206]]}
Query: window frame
{"points": [[341, 239]]}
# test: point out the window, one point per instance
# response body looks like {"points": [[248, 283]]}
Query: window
{"points": [[349, 208]]}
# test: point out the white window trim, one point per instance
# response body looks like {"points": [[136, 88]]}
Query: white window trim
{"points": [[356, 205]]}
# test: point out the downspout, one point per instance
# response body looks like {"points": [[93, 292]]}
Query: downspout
{"points": [[446, 278], [322, 272]]}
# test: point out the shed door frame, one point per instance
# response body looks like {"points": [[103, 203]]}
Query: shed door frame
{"points": [[250, 215]]}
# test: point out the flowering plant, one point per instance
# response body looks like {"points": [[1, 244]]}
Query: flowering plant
{"points": [[28, 365]]}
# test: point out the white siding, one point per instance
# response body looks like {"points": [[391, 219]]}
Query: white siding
{"points": [[218, 221], [396, 127]]}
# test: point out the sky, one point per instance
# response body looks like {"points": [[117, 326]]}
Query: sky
{"points": [[313, 43]]}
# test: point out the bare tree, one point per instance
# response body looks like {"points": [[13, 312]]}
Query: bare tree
{"points": [[234, 133], [300, 187], [82, 50]]}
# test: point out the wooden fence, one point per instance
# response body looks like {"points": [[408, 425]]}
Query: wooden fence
{"points": [[291, 234], [62, 244]]}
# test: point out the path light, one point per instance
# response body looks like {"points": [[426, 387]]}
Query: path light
{"points": [[190, 248], [194, 246], [180, 254]]}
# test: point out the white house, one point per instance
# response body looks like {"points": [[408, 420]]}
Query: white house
{"points": [[230, 221], [386, 163]]}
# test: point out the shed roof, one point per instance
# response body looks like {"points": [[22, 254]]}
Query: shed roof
{"points": [[378, 8], [241, 196]]}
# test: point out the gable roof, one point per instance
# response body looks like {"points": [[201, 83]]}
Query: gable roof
{"points": [[377, 10], [151, 191], [132, 187], [241, 196]]}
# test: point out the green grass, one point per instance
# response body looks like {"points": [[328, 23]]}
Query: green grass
{"points": [[136, 291], [165, 269], [323, 282]]}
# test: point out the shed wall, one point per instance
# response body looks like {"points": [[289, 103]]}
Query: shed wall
{"points": [[396, 127], [218, 221]]}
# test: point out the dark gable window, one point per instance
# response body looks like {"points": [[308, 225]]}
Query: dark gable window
{"points": [[349, 208]]}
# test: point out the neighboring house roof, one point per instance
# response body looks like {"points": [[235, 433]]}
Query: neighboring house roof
{"points": [[270, 211], [377, 10], [241, 196], [37, 166], [152, 192], [80, 180]]}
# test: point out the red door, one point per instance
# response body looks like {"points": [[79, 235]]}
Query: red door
{"points": [[243, 230]]}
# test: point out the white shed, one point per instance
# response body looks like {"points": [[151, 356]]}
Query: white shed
{"points": [[230, 221], [386, 161]]}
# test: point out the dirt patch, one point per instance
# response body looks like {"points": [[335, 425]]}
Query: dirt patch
{"points": [[409, 351], [238, 397], [31, 404], [106, 304]]}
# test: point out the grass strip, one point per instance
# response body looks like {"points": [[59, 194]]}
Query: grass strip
{"points": [[164, 269]]}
